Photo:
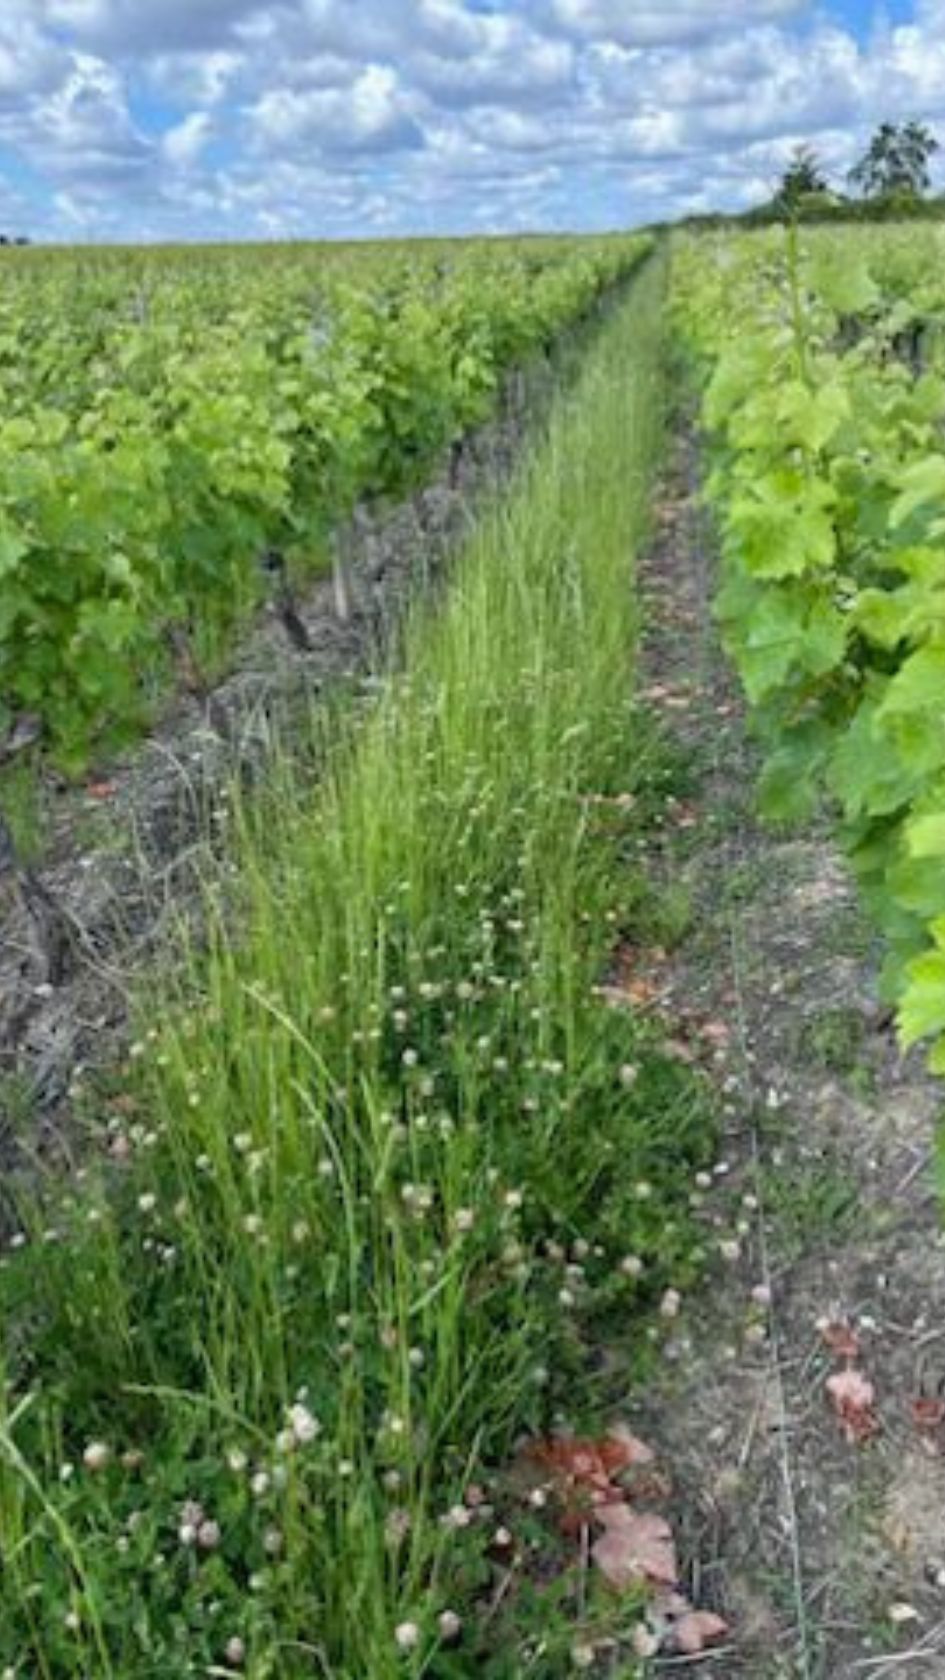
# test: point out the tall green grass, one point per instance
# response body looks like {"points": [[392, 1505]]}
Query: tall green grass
{"points": [[386, 1164]]}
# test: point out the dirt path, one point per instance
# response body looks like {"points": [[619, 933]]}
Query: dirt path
{"points": [[826, 1557]]}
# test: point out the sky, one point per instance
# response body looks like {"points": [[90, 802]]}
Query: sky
{"points": [[261, 119]]}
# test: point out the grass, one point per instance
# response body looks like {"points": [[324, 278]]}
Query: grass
{"points": [[382, 1163]]}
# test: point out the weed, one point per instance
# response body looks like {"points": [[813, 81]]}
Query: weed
{"points": [[811, 1203]]}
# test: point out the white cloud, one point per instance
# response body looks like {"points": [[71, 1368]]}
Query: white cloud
{"points": [[334, 116], [85, 129], [145, 26], [649, 25], [183, 144], [373, 114]]}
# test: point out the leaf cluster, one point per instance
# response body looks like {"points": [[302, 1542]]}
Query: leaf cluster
{"points": [[824, 404]]}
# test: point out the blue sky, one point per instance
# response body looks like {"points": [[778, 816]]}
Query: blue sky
{"points": [[149, 119]]}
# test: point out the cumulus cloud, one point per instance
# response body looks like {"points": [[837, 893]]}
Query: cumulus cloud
{"points": [[85, 130], [183, 144], [209, 117], [146, 26], [372, 114], [649, 25]]}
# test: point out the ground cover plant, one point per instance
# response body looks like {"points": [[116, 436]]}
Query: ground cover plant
{"points": [[384, 1161]]}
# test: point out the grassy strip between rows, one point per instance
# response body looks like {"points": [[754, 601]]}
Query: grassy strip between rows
{"points": [[386, 1170]]}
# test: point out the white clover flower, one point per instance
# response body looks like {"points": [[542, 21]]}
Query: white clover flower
{"points": [[97, 1456], [631, 1265], [260, 1483], [449, 1625], [187, 1534], [237, 1460], [457, 1517], [304, 1424], [464, 1219], [273, 1542], [148, 1202], [514, 1199], [235, 1652], [671, 1303], [285, 1441], [407, 1636]]}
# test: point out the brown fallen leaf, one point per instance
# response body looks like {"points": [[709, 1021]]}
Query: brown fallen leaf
{"points": [[622, 1439], [851, 1396], [636, 1547], [590, 1464], [698, 1629], [928, 1412], [841, 1339]]}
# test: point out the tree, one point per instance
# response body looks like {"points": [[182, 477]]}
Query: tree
{"points": [[803, 179], [896, 163]]}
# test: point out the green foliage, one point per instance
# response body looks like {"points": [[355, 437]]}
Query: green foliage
{"points": [[803, 180], [828, 480], [167, 417], [896, 162]]}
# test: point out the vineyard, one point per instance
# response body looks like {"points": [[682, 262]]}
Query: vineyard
{"points": [[469, 1261], [168, 418], [824, 375]]}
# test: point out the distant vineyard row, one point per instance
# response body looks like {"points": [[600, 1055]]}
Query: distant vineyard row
{"points": [[168, 415], [822, 365]]}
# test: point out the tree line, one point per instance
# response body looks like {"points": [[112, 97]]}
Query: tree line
{"points": [[893, 173]]}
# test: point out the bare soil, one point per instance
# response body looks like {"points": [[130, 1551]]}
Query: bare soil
{"points": [[827, 1557]]}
